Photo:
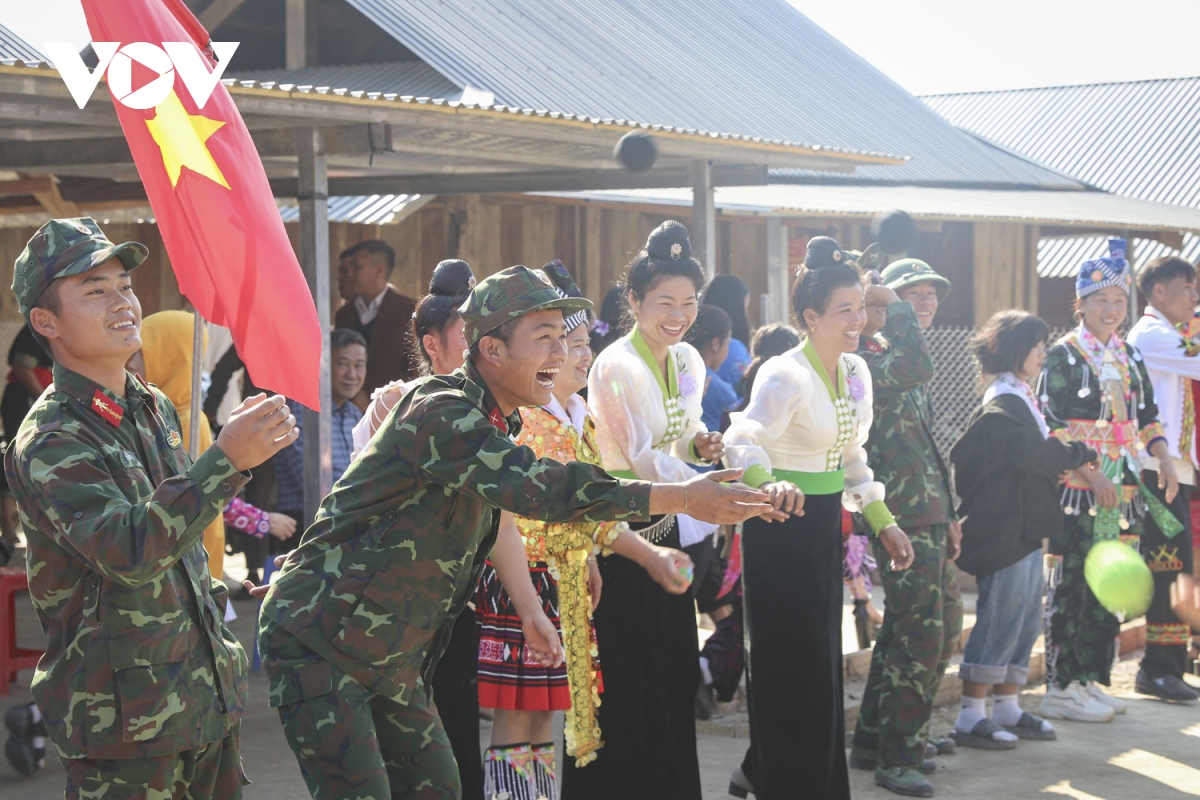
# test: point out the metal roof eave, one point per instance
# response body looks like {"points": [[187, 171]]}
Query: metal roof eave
{"points": [[299, 105], [1071, 209]]}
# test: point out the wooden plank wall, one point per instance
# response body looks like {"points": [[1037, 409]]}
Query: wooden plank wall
{"points": [[992, 266], [1005, 269]]}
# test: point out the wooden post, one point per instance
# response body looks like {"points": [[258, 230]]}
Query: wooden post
{"points": [[778, 271], [313, 198], [197, 400], [704, 217], [300, 37]]}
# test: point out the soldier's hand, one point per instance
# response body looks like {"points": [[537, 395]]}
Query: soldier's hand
{"points": [[259, 592], [954, 540], [707, 499], [896, 542], [257, 429], [786, 500], [542, 639]]}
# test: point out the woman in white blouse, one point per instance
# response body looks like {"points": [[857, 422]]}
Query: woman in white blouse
{"points": [[807, 419], [645, 391]]}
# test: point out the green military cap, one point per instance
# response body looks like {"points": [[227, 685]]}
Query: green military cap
{"points": [[908, 271], [509, 294], [64, 247]]}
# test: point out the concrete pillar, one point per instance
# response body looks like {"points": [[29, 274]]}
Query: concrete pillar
{"points": [[704, 217], [313, 197]]}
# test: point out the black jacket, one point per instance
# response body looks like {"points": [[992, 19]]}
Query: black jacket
{"points": [[1007, 476]]}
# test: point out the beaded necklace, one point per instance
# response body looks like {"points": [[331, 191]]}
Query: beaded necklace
{"points": [[845, 403]]}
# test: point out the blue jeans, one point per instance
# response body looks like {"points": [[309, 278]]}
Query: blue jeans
{"points": [[1008, 619]]}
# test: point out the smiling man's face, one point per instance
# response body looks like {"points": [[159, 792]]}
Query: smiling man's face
{"points": [[97, 317]]}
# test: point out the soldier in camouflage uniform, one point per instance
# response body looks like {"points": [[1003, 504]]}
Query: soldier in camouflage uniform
{"points": [[923, 615], [352, 629], [142, 685]]}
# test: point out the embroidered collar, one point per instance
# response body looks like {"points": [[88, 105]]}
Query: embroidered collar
{"points": [[810, 353], [574, 415], [670, 386]]}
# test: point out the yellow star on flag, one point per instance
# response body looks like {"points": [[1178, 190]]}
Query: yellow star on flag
{"points": [[181, 137]]}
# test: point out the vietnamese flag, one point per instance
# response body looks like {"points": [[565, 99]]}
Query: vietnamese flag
{"points": [[215, 209]]}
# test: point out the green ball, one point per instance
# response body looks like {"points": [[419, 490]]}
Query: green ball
{"points": [[1119, 578]]}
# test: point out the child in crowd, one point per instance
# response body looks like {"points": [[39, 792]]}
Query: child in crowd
{"points": [[711, 334]]}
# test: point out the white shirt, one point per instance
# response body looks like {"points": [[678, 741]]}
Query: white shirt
{"points": [[1170, 368], [368, 311], [377, 412], [791, 423], [631, 419]]}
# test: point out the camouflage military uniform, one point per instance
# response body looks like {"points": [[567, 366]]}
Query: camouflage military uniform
{"points": [[923, 614], [142, 684], [352, 629], [139, 665]]}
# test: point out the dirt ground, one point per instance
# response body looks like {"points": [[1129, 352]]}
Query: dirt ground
{"points": [[1150, 753]]}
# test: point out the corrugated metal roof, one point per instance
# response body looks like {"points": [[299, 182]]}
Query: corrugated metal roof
{"points": [[1086, 209], [759, 68], [373, 210], [1138, 138], [1060, 258], [412, 78], [13, 47]]}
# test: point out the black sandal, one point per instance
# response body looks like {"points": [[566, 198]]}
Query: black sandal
{"points": [[980, 737]]}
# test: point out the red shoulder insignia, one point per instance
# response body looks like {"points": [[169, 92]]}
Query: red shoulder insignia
{"points": [[498, 421], [110, 411]]}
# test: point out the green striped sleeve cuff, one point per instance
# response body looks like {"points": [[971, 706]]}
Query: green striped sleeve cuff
{"points": [[878, 516], [756, 475]]}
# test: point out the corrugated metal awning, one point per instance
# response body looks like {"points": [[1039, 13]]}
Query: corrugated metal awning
{"points": [[1059, 208]]}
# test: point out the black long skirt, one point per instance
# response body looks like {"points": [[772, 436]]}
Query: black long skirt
{"points": [[650, 652], [792, 596]]}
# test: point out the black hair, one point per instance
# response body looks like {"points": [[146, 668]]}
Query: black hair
{"points": [[768, 341], [814, 287], [349, 251], [1005, 341], [668, 253], [448, 289], [1162, 270], [344, 337], [729, 293], [894, 230], [50, 301], [711, 323], [614, 319], [377, 247]]}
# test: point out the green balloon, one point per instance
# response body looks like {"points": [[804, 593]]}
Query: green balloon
{"points": [[1119, 578]]}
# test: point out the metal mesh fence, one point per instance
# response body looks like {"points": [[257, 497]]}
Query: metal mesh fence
{"points": [[955, 388]]}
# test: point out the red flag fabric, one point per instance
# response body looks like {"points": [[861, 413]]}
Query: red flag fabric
{"points": [[214, 206]]}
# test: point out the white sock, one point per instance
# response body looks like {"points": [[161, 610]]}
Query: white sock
{"points": [[37, 715], [1006, 711], [39, 742], [705, 672], [974, 709]]}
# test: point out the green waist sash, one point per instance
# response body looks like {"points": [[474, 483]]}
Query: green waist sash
{"points": [[814, 482]]}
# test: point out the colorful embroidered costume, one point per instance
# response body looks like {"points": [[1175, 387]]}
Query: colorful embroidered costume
{"points": [[558, 554]]}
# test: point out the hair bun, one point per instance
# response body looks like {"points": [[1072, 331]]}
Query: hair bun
{"points": [[452, 277], [669, 240], [823, 251]]}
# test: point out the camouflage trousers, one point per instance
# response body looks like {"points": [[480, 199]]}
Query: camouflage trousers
{"points": [[1080, 638], [921, 623], [213, 771], [355, 745]]}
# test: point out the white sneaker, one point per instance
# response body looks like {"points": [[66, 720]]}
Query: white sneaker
{"points": [[1118, 706], [1074, 703]]}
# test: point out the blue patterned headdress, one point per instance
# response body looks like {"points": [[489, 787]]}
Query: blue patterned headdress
{"points": [[1101, 273]]}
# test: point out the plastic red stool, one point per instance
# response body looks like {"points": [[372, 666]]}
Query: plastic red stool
{"points": [[12, 658]]}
